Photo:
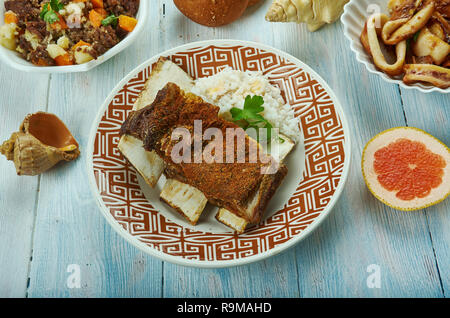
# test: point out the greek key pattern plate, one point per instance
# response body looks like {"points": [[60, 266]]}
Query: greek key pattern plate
{"points": [[325, 140]]}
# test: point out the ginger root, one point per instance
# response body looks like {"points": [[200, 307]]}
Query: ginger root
{"points": [[315, 13]]}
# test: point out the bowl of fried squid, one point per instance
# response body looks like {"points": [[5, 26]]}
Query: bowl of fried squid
{"points": [[406, 42]]}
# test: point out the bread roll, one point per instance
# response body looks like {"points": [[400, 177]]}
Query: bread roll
{"points": [[212, 13]]}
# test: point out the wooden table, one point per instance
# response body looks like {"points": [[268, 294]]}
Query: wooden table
{"points": [[49, 222]]}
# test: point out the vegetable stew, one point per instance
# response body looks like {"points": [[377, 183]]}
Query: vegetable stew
{"points": [[66, 32]]}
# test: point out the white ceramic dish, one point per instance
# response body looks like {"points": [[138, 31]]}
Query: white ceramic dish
{"points": [[355, 14], [14, 60], [318, 167]]}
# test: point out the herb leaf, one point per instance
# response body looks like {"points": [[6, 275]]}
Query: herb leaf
{"points": [[49, 11], [110, 20], [44, 11], [56, 5], [51, 17], [249, 116]]}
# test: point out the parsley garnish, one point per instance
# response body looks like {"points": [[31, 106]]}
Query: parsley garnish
{"points": [[249, 116], [110, 20], [50, 10]]}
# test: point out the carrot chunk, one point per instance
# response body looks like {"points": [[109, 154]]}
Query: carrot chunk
{"points": [[80, 43], [96, 17], [11, 17], [64, 59], [97, 3], [127, 23]]}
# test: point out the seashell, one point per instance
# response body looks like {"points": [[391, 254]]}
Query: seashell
{"points": [[315, 13], [42, 141]]}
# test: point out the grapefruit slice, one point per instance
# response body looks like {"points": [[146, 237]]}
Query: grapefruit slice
{"points": [[407, 168]]}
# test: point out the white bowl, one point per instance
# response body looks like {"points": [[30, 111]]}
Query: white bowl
{"points": [[355, 14], [14, 60]]}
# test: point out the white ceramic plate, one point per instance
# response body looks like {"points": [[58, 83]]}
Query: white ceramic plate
{"points": [[318, 167], [355, 15], [14, 60]]}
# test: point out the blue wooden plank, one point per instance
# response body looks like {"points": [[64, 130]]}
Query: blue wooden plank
{"points": [[274, 277], [17, 194], [431, 112]]}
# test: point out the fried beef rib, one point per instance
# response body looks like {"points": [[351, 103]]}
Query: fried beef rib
{"points": [[239, 186]]}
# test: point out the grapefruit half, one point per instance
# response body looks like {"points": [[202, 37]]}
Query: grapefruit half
{"points": [[407, 168]]}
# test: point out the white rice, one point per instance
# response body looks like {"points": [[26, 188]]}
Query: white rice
{"points": [[229, 88]]}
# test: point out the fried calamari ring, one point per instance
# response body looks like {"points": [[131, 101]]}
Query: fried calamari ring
{"points": [[428, 73], [365, 39], [373, 46], [398, 30]]}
